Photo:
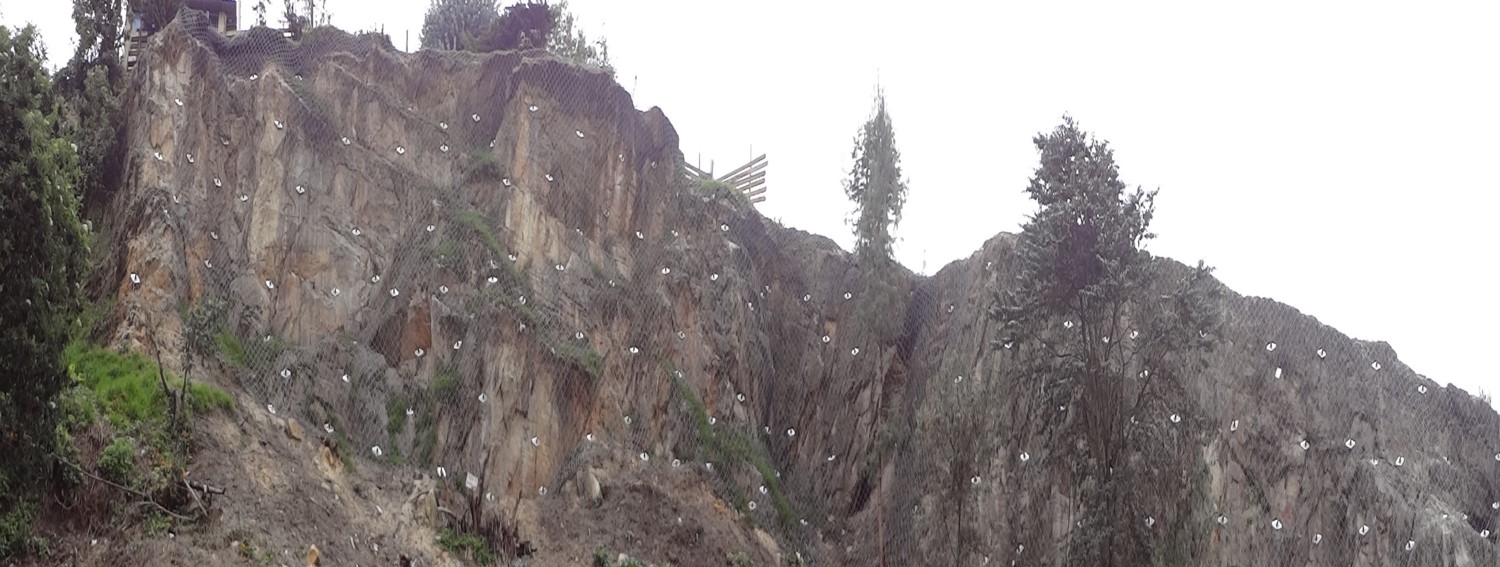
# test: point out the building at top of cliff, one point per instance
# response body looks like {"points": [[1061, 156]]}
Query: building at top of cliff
{"points": [[223, 14]]}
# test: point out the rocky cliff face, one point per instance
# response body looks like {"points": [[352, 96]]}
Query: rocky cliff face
{"points": [[490, 264]]}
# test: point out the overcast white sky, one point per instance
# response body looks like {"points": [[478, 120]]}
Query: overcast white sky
{"points": [[1336, 156]]}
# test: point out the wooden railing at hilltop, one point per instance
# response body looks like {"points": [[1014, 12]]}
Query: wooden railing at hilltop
{"points": [[749, 179]]}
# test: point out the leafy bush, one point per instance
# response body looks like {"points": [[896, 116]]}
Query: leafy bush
{"points": [[43, 257], [66, 448], [449, 24], [75, 406], [156, 14], [117, 461], [15, 531], [466, 543]]}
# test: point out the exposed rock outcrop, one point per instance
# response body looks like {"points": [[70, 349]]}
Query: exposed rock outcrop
{"points": [[489, 263]]}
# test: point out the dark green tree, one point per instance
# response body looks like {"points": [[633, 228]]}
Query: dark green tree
{"points": [[962, 428], [101, 30], [524, 25], [90, 85], [1106, 340], [43, 253], [457, 24], [876, 186], [568, 40]]}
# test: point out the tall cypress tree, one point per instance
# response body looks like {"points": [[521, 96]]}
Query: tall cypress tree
{"points": [[876, 186]]}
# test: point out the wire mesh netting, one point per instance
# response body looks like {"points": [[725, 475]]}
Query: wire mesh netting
{"points": [[489, 282]]}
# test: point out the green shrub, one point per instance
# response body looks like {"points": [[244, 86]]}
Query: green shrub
{"points": [[75, 407], [721, 190], [602, 558], [476, 222], [15, 531], [67, 449], [582, 355], [729, 446], [466, 543], [117, 461], [157, 524], [481, 165]]}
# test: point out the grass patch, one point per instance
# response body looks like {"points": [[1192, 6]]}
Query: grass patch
{"points": [[150, 450], [316, 120], [460, 543], [203, 397], [477, 223], [248, 549], [341, 441], [481, 165], [508, 293], [256, 355], [513, 279], [445, 253], [395, 413], [232, 349], [445, 379], [583, 356], [721, 190], [127, 386], [425, 441], [728, 447]]}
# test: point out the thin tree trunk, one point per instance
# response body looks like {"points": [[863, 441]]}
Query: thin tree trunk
{"points": [[958, 534]]}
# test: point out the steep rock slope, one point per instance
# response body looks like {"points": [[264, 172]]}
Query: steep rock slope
{"points": [[501, 248]]}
